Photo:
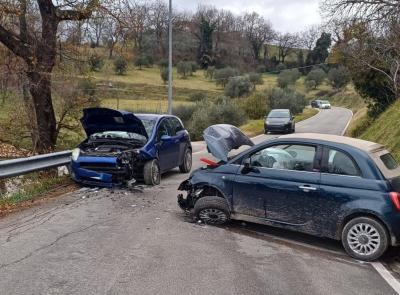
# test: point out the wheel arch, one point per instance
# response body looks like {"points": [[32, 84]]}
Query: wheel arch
{"points": [[369, 214], [211, 190]]}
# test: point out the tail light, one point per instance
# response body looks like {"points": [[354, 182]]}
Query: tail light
{"points": [[209, 162], [395, 197]]}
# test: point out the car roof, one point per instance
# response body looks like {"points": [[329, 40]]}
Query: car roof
{"points": [[280, 110], [367, 146]]}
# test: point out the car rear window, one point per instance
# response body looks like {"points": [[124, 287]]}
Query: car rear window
{"points": [[389, 161]]}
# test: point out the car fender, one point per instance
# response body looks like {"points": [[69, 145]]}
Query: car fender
{"points": [[357, 209]]}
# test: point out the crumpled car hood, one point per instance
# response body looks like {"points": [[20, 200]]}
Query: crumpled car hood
{"points": [[96, 120], [223, 138]]}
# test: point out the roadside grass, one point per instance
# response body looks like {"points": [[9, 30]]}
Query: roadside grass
{"points": [[151, 76], [256, 127], [142, 105], [384, 130], [31, 187]]}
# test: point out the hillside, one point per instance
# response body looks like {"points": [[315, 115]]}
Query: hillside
{"points": [[385, 130]]}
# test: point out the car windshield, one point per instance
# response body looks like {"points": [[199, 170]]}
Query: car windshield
{"points": [[119, 135], [325, 102], [148, 125], [279, 114]]}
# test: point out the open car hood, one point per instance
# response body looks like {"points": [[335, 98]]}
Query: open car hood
{"points": [[96, 120], [223, 138]]}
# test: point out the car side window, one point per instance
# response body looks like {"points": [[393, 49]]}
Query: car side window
{"points": [[176, 125], [287, 157], [342, 164], [163, 129]]}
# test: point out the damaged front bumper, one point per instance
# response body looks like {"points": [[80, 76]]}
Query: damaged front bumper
{"points": [[193, 194], [100, 171]]}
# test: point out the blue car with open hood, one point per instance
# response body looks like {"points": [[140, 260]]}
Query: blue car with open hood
{"points": [[123, 147], [324, 185]]}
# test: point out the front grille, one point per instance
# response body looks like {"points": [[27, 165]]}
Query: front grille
{"points": [[103, 168]]}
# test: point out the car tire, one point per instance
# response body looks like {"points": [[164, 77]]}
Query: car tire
{"points": [[212, 210], [294, 129], [365, 238], [152, 173], [187, 162]]}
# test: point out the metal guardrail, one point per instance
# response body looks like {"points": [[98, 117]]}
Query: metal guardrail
{"points": [[15, 167]]}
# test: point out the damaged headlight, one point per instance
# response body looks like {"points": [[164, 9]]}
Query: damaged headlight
{"points": [[75, 154]]}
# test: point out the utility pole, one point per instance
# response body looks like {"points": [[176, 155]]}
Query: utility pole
{"points": [[170, 59]]}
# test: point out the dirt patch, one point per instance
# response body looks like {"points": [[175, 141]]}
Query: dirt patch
{"points": [[6, 209]]}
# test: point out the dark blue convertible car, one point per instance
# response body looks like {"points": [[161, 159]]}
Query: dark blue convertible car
{"points": [[123, 147], [329, 186]]}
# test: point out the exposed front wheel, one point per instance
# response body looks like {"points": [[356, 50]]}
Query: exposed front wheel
{"points": [[152, 173], [365, 238], [212, 210], [187, 162]]}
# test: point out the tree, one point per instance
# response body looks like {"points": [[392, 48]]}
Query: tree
{"points": [[258, 32], [317, 75], [320, 52], [339, 77], [288, 77], [141, 61], [238, 87], [286, 43], [164, 73], [120, 66], [286, 99], [38, 49], [222, 75], [158, 20], [203, 27], [309, 37], [184, 69], [256, 79]]}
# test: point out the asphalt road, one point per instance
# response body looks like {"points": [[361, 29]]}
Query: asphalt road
{"points": [[139, 242]]}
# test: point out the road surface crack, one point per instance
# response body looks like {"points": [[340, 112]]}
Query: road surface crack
{"points": [[53, 243]]}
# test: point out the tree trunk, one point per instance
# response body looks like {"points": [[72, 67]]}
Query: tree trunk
{"points": [[40, 89], [29, 109]]}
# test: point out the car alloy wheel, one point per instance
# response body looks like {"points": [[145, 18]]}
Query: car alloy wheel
{"points": [[364, 239], [213, 216], [188, 160], [155, 173]]}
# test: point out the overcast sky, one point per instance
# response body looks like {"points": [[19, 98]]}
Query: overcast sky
{"points": [[285, 15]]}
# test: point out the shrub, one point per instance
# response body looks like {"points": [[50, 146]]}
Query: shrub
{"points": [[163, 63], [280, 67], [120, 66], [141, 61], [286, 99], [338, 77], [255, 106], [238, 87], [184, 69], [256, 79], [164, 75], [195, 66], [310, 84], [261, 69], [288, 77], [209, 73], [198, 96], [207, 113], [317, 75], [222, 76], [96, 63], [184, 112], [88, 87]]}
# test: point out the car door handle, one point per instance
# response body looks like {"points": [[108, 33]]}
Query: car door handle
{"points": [[307, 188]]}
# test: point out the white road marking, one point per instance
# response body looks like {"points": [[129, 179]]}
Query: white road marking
{"points": [[387, 276], [348, 123]]}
